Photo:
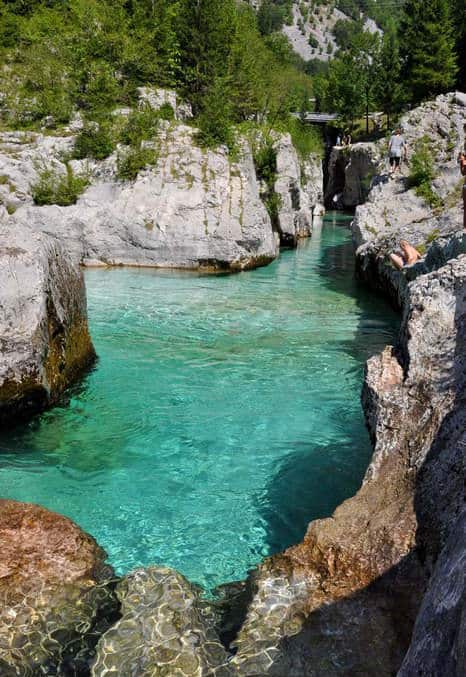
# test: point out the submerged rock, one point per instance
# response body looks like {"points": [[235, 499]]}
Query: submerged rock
{"points": [[55, 601], [45, 343], [165, 629]]}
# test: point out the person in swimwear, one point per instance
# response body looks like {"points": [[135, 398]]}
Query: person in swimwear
{"points": [[408, 256]]}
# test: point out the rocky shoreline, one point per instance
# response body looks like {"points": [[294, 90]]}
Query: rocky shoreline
{"points": [[376, 589]]}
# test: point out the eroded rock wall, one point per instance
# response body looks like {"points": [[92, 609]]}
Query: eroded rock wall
{"points": [[45, 344], [351, 170], [299, 188], [195, 208]]}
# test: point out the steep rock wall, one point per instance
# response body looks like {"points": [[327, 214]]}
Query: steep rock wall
{"points": [[45, 343], [194, 209], [351, 170]]}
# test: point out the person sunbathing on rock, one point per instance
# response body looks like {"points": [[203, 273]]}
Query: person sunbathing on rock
{"points": [[408, 256]]}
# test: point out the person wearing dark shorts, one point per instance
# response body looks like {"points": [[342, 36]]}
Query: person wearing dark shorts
{"points": [[396, 148]]}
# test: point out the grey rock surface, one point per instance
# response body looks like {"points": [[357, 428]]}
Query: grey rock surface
{"points": [[45, 343], [156, 98], [351, 172], [394, 211], [195, 209], [165, 629], [298, 192]]}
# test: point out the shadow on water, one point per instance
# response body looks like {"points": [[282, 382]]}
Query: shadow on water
{"points": [[318, 486], [320, 481]]}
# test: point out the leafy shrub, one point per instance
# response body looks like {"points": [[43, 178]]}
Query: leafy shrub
{"points": [[94, 141], [214, 121], [133, 160], [141, 126], [422, 173], [166, 112], [306, 139], [54, 187], [313, 42]]}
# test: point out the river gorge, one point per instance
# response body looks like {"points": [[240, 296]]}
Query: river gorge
{"points": [[214, 399]]}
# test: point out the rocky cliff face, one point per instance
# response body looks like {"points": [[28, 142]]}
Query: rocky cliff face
{"points": [[299, 187], [55, 600], [45, 343], [344, 601], [394, 211], [351, 170], [194, 209]]}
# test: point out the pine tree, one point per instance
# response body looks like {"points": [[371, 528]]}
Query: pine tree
{"points": [[459, 20], [207, 28], [429, 48], [388, 71]]}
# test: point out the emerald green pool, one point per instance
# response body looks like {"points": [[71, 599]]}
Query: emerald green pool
{"points": [[222, 416]]}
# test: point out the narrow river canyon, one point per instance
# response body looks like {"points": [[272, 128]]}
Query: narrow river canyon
{"points": [[215, 400]]}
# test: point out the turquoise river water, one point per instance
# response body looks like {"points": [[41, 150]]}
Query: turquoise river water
{"points": [[223, 413]]}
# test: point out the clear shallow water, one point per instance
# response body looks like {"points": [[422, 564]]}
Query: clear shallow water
{"points": [[223, 413]]}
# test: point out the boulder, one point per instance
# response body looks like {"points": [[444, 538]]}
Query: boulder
{"points": [[156, 98], [45, 344], [165, 629], [54, 595]]}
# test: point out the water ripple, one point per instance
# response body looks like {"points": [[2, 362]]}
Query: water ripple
{"points": [[223, 413]]}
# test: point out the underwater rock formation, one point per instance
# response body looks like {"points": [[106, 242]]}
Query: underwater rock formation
{"points": [[55, 601], [165, 629], [45, 343]]}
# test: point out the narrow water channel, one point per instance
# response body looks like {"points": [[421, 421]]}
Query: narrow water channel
{"points": [[223, 413]]}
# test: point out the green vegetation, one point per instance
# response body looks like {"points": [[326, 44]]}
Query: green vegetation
{"points": [[429, 58], [95, 140], [422, 173], [133, 160], [54, 187]]}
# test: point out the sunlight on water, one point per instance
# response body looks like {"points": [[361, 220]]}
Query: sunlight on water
{"points": [[222, 415]]}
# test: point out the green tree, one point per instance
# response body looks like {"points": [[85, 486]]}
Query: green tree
{"points": [[388, 71], [430, 66], [206, 30]]}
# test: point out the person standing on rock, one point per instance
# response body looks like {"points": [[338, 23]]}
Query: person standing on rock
{"points": [[396, 149], [462, 164]]}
